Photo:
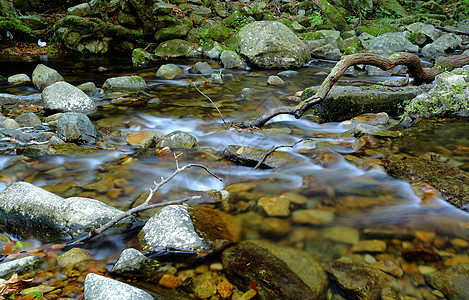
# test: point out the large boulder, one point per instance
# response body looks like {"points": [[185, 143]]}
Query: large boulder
{"points": [[63, 96], [270, 45], [31, 212], [449, 41], [390, 43], [280, 272], [77, 128], [173, 48], [44, 76]]}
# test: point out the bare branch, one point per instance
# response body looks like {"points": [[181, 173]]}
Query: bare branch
{"points": [[274, 148], [145, 205], [219, 112]]}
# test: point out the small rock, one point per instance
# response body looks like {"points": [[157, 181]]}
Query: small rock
{"points": [[44, 76], [232, 60], [19, 79], [141, 139], [28, 120], [312, 216], [170, 281], [125, 84], [275, 80], [275, 206], [250, 156], [390, 268], [201, 68], [373, 119], [274, 226], [424, 270], [98, 287], [169, 71], [205, 290], [288, 73], [295, 198], [341, 234], [72, 257], [369, 246], [10, 124], [216, 78], [452, 282], [178, 140], [225, 289]]}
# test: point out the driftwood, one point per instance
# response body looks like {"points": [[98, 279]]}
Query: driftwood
{"points": [[411, 61]]}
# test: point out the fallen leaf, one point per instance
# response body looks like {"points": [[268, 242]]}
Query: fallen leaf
{"points": [[8, 248], [240, 150]]}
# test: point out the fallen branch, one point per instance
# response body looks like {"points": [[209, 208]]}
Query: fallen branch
{"points": [[274, 148], [145, 205], [209, 99], [411, 61]]}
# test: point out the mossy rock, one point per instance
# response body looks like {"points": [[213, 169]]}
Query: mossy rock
{"points": [[377, 29], [174, 32], [173, 48], [219, 33], [74, 150], [332, 15], [394, 7]]}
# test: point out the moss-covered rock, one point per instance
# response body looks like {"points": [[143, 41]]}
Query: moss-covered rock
{"points": [[219, 33], [178, 31], [173, 48], [332, 15]]}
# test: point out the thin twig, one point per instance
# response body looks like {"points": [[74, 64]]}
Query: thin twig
{"points": [[406, 82], [274, 148], [145, 205], [219, 112]]}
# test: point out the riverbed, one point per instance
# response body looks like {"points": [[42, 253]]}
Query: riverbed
{"points": [[327, 172]]}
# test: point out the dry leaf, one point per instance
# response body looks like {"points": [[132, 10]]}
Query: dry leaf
{"points": [[240, 150], [8, 248]]}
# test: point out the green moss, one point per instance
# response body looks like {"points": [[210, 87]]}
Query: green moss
{"points": [[333, 15], [378, 29], [14, 26], [219, 33]]}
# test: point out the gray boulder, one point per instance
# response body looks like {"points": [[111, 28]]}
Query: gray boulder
{"points": [[178, 140], [44, 76], [34, 22], [98, 287], [19, 79], [201, 68], [15, 100], [214, 51], [31, 212], [132, 263], [449, 41], [77, 128], [169, 71], [190, 230], [327, 52], [28, 120], [270, 45], [390, 43], [19, 266], [280, 272], [125, 84], [232, 60], [63, 96], [80, 10]]}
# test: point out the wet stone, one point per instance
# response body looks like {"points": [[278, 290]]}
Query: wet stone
{"points": [[178, 140], [357, 280], [280, 272], [141, 139], [250, 156], [201, 68], [275, 206], [99, 287], [44, 76], [62, 96], [77, 128], [369, 246], [341, 234], [390, 268], [169, 71], [170, 281], [275, 80], [28, 120], [125, 84], [312, 216], [19, 79], [373, 119], [72, 257], [132, 263], [19, 266], [189, 230]]}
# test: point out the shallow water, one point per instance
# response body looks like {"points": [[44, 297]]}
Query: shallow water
{"points": [[359, 197]]}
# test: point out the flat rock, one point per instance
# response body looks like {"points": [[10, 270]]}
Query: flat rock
{"points": [[178, 140], [132, 263], [280, 272], [19, 79], [31, 212], [125, 84], [19, 266], [201, 68], [63, 96]]}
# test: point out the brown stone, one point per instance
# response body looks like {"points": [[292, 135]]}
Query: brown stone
{"points": [[225, 289], [170, 281], [369, 246], [275, 206]]}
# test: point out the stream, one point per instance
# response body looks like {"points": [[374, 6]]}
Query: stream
{"points": [[327, 172]]}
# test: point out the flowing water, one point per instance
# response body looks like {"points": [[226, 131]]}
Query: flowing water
{"points": [[326, 173]]}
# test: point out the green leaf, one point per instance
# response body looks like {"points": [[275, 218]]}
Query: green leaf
{"points": [[37, 294], [19, 244]]}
